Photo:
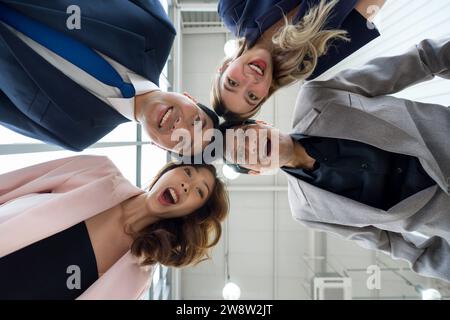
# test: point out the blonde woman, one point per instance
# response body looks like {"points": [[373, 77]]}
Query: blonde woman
{"points": [[285, 41], [75, 228]]}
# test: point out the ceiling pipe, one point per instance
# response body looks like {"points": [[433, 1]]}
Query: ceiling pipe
{"points": [[250, 188], [197, 7]]}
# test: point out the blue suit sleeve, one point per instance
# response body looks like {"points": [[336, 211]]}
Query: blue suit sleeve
{"points": [[339, 14], [13, 119], [360, 35], [231, 12], [344, 17]]}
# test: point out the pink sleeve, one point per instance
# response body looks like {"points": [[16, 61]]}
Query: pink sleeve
{"points": [[53, 176]]}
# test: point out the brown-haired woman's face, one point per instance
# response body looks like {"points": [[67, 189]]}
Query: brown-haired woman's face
{"points": [[181, 191], [246, 81]]}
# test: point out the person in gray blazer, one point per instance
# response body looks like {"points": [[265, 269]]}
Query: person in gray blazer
{"points": [[370, 167]]}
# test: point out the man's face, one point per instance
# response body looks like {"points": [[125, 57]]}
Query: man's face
{"points": [[258, 147], [167, 115]]}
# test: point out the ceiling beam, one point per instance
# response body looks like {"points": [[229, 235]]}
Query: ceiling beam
{"points": [[250, 188], [198, 7], [202, 23], [203, 30]]}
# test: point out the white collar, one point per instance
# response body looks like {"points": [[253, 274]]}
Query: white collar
{"points": [[125, 106]]}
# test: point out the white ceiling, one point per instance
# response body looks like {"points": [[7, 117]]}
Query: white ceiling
{"points": [[199, 14]]}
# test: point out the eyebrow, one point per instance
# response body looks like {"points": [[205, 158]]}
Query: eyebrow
{"points": [[207, 187], [228, 88], [249, 102], [245, 97]]}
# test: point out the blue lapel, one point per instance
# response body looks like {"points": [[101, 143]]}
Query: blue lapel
{"points": [[76, 102], [122, 45]]}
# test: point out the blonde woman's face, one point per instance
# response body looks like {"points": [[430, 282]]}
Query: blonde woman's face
{"points": [[246, 80], [180, 191]]}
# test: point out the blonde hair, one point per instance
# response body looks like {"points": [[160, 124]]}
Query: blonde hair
{"points": [[296, 50]]}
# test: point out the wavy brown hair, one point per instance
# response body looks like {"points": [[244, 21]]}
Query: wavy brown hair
{"points": [[183, 241], [296, 50]]}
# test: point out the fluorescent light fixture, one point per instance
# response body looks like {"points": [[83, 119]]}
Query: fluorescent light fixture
{"points": [[231, 291], [431, 294], [230, 47], [229, 173], [428, 294]]}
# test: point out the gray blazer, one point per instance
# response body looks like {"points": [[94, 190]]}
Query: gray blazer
{"points": [[355, 105]]}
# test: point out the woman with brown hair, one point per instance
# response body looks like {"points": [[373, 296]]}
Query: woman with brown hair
{"points": [[76, 228], [281, 42]]}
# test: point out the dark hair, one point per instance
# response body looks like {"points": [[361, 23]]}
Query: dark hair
{"points": [[184, 241], [214, 117], [230, 124], [192, 159]]}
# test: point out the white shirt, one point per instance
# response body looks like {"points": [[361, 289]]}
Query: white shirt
{"points": [[108, 94]]}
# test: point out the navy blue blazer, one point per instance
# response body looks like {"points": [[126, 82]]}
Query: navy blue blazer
{"points": [[251, 18], [39, 101]]}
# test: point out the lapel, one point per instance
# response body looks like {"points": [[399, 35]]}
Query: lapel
{"points": [[327, 207], [124, 280], [63, 211], [105, 37], [62, 91], [155, 8], [83, 186], [46, 220], [334, 120]]}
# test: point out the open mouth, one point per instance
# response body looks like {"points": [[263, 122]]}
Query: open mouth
{"points": [[268, 148], [165, 117], [258, 66], [169, 197]]}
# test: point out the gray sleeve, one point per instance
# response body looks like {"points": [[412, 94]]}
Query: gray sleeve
{"points": [[430, 258], [388, 75]]}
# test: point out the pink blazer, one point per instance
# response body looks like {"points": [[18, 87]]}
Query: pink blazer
{"points": [[86, 186]]}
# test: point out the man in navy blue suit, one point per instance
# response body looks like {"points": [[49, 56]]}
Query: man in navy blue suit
{"points": [[70, 87]]}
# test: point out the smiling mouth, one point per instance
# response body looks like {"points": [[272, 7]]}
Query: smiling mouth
{"points": [[165, 117], [169, 197], [258, 66]]}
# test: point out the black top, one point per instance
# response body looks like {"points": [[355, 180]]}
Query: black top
{"points": [[47, 268], [361, 172], [251, 18]]}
